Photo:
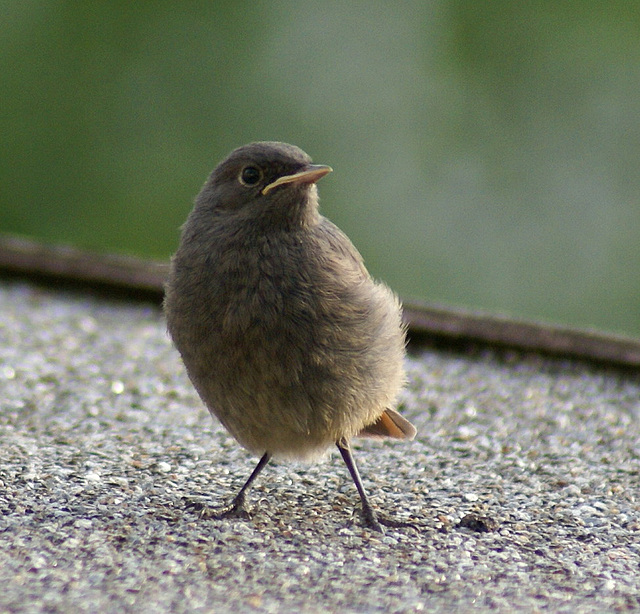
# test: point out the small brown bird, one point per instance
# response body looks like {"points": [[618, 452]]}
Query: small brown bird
{"points": [[287, 339]]}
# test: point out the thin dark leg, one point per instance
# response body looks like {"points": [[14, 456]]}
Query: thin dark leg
{"points": [[237, 508], [367, 511]]}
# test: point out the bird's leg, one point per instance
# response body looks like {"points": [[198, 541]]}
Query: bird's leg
{"points": [[367, 511], [237, 508], [372, 519]]}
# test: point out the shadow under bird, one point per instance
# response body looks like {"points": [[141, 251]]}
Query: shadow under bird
{"points": [[286, 337]]}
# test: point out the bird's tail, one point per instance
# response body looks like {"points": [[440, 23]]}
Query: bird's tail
{"points": [[389, 424]]}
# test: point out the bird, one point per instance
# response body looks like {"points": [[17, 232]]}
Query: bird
{"points": [[286, 337]]}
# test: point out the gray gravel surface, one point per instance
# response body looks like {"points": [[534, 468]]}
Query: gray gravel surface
{"points": [[521, 485]]}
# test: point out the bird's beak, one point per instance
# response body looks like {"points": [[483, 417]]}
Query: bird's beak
{"points": [[310, 174]]}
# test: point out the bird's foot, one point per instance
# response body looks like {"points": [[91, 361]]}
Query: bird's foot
{"points": [[236, 509], [378, 523], [371, 520]]}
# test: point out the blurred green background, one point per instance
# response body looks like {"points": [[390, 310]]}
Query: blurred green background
{"points": [[485, 153]]}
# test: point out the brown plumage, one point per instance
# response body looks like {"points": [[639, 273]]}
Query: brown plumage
{"points": [[288, 340]]}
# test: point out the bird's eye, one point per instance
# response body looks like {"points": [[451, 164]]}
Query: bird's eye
{"points": [[250, 175]]}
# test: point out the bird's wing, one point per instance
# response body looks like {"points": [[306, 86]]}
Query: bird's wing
{"points": [[340, 245]]}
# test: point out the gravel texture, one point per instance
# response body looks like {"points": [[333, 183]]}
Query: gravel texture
{"points": [[522, 485]]}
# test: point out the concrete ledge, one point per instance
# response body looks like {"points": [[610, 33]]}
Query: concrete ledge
{"points": [[428, 323], [521, 485]]}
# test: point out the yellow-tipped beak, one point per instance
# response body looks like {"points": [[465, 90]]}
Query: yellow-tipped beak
{"points": [[310, 174]]}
